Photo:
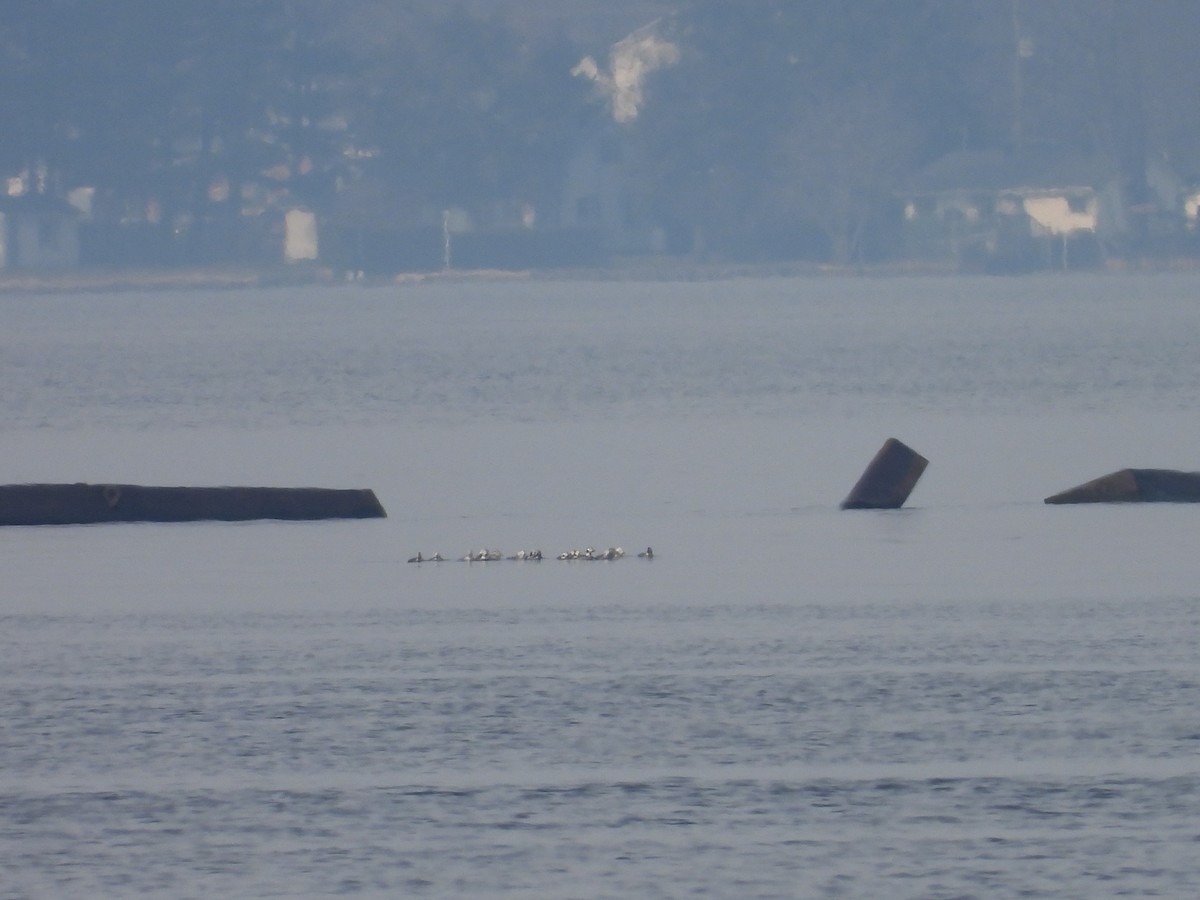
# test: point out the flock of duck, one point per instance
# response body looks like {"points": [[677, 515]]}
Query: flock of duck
{"points": [[487, 555]]}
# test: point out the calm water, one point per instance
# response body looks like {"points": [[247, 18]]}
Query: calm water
{"points": [[976, 696]]}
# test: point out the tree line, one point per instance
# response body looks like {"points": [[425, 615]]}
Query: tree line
{"points": [[781, 128]]}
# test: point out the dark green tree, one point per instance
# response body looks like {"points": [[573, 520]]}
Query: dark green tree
{"points": [[466, 111], [778, 108]]}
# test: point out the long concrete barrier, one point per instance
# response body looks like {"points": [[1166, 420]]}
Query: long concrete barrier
{"points": [[1135, 486], [889, 479], [85, 504]]}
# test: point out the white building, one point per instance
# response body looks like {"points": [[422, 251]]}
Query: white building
{"points": [[38, 233]]}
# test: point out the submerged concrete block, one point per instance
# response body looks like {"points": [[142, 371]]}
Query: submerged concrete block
{"points": [[85, 504], [1135, 486], [889, 479]]}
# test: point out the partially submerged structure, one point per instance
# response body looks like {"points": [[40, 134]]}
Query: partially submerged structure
{"points": [[86, 504], [1135, 486], [889, 479]]}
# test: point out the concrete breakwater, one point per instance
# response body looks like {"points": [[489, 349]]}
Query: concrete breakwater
{"points": [[85, 504], [1135, 486], [889, 478]]}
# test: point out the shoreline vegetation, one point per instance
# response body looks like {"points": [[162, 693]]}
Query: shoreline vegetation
{"points": [[219, 278]]}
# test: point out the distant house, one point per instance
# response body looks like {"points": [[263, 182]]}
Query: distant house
{"points": [[1041, 209], [38, 233], [1191, 209], [299, 235]]}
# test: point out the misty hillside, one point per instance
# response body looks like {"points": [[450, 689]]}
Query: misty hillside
{"points": [[577, 132]]}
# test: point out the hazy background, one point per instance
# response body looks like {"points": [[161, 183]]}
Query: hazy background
{"points": [[719, 130]]}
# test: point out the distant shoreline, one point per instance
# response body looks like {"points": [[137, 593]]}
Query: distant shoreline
{"points": [[110, 281]]}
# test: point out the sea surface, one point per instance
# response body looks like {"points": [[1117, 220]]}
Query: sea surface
{"points": [[975, 696]]}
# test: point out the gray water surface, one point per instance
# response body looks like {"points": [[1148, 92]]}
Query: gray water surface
{"points": [[977, 695]]}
